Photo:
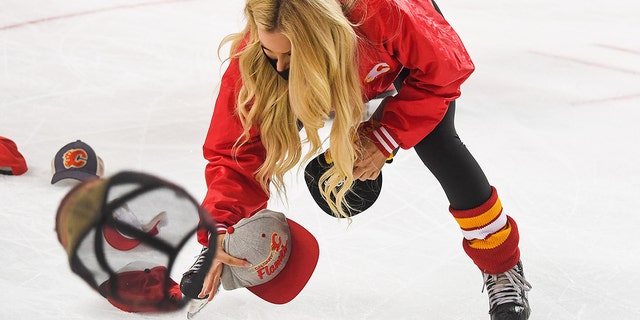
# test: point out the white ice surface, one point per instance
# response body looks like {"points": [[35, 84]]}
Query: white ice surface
{"points": [[551, 114]]}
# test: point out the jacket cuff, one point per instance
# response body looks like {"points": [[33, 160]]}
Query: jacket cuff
{"points": [[221, 228], [383, 139]]}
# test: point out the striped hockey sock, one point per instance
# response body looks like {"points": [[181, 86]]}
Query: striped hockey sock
{"points": [[490, 236]]}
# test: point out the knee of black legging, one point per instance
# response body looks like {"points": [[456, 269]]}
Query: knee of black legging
{"points": [[439, 143]]}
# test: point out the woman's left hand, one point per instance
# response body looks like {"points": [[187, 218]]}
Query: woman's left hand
{"points": [[370, 161]]}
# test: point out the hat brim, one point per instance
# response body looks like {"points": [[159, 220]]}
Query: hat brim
{"points": [[362, 196], [122, 242], [298, 270], [72, 174]]}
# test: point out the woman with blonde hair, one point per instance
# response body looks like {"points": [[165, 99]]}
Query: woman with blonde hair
{"points": [[297, 63]]}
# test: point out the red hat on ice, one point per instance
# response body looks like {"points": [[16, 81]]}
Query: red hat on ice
{"points": [[283, 253], [139, 287], [11, 160]]}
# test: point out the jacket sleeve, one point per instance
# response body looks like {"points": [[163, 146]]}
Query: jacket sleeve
{"points": [[417, 36], [233, 192]]}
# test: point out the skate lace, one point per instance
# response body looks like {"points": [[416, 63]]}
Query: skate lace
{"points": [[195, 268], [510, 286]]}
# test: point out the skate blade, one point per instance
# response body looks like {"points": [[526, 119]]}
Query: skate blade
{"points": [[195, 306]]}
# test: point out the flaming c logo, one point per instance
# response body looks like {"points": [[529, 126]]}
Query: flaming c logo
{"points": [[377, 70], [75, 158]]}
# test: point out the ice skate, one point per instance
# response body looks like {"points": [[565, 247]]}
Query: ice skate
{"points": [[508, 294], [192, 280]]}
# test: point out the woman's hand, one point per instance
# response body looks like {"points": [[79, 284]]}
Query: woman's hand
{"points": [[370, 160], [212, 280]]}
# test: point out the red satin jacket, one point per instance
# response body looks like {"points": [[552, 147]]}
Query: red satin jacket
{"points": [[395, 34]]}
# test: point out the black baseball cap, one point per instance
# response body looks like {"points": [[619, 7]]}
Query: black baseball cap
{"points": [[76, 160], [361, 196]]}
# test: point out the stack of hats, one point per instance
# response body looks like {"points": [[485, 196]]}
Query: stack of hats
{"points": [[99, 225]]}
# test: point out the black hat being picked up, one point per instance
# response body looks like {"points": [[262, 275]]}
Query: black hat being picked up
{"points": [[361, 196]]}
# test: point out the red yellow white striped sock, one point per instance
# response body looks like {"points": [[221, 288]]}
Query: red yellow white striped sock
{"points": [[490, 236]]}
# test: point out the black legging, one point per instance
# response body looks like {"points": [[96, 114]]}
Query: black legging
{"points": [[460, 176], [444, 154]]}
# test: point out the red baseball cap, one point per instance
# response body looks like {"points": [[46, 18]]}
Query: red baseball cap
{"points": [[283, 254], [121, 241], [141, 288], [11, 160]]}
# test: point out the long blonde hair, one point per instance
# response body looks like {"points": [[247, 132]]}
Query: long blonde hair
{"points": [[323, 76]]}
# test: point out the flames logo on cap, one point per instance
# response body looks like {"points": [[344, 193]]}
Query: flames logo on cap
{"points": [[75, 158], [275, 258]]}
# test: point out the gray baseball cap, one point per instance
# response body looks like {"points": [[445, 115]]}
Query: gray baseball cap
{"points": [[283, 255]]}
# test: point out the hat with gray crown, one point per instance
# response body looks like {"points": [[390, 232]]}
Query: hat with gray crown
{"points": [[283, 255]]}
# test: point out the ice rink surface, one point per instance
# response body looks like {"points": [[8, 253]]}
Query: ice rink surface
{"points": [[551, 114]]}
